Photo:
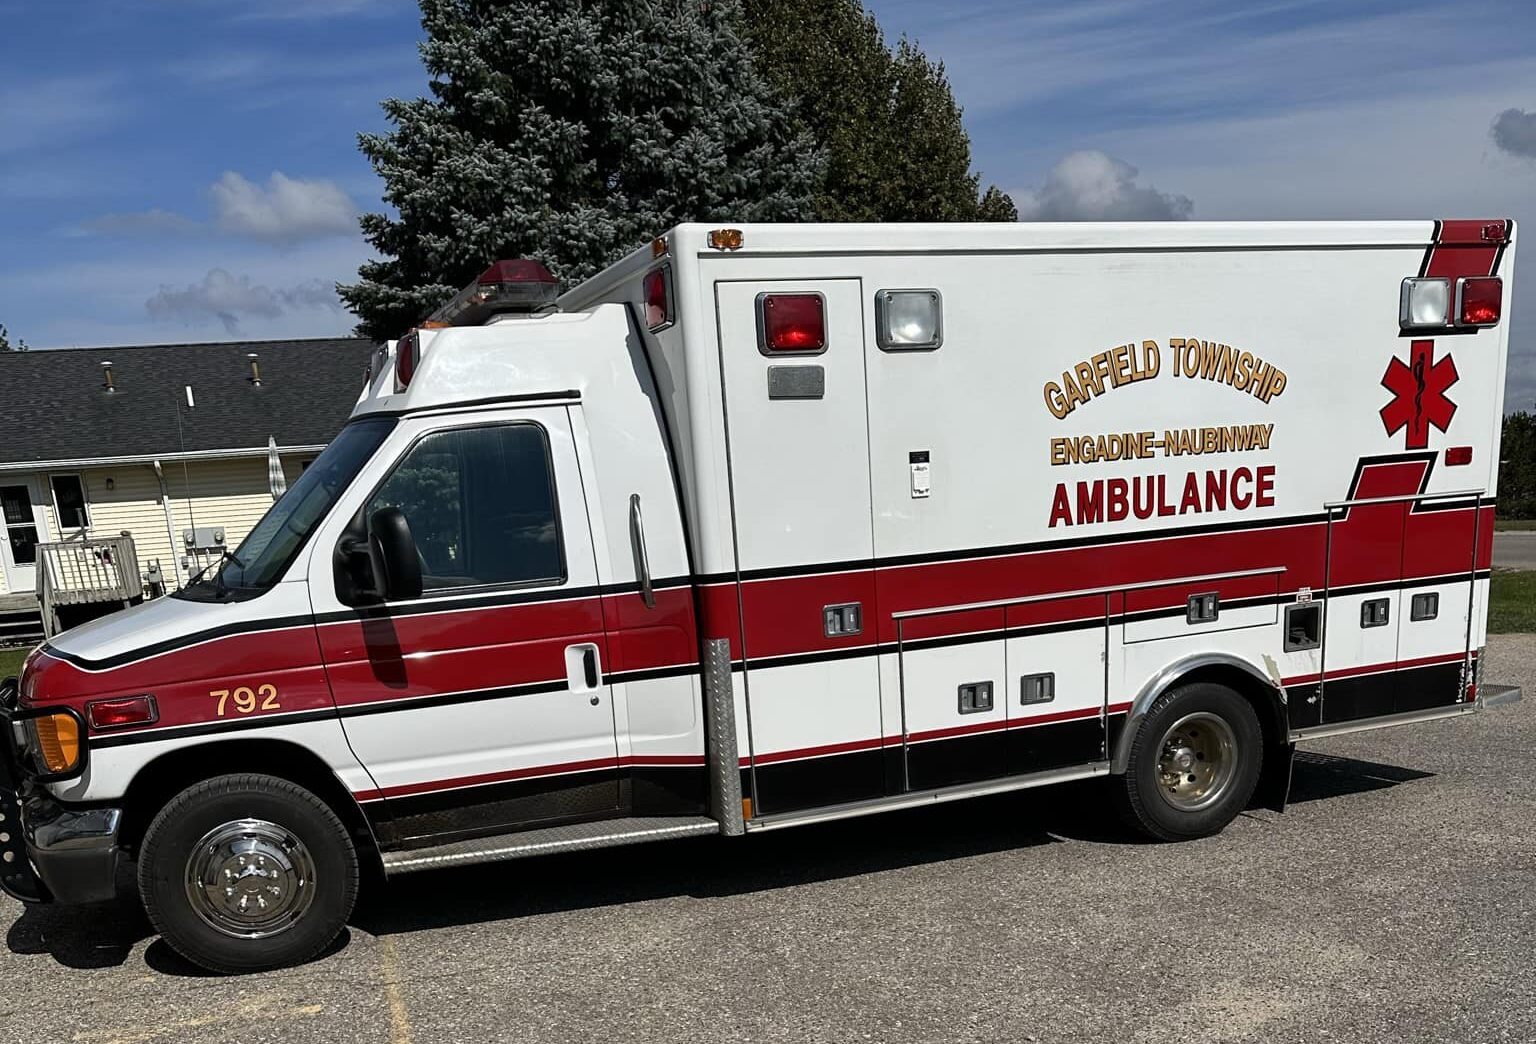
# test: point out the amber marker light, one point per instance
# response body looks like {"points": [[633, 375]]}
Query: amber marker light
{"points": [[57, 742]]}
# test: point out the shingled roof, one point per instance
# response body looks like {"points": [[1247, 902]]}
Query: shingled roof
{"points": [[54, 405]]}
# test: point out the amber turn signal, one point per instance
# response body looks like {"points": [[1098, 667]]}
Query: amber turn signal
{"points": [[58, 742]]}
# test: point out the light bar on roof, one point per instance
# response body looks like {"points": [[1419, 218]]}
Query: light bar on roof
{"points": [[507, 286]]}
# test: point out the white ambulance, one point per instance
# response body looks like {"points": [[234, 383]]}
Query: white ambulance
{"points": [[774, 525]]}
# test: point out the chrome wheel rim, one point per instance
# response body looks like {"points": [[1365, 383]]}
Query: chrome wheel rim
{"points": [[1197, 761], [250, 879]]}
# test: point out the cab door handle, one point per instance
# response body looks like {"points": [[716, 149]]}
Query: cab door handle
{"points": [[583, 671]]}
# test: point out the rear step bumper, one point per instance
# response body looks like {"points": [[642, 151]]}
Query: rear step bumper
{"points": [[1498, 695], [1488, 696]]}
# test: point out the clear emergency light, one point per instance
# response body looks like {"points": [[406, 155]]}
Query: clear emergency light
{"points": [[507, 286], [909, 320]]}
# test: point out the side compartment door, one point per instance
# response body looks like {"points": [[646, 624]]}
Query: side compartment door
{"points": [[1360, 617], [799, 467], [481, 706]]}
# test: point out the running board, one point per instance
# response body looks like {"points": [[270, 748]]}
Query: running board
{"points": [[1344, 728], [921, 798], [576, 837]]}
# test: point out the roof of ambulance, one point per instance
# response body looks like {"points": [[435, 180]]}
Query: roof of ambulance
{"points": [[1065, 235]]}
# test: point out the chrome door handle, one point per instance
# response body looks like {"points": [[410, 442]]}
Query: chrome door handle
{"points": [[637, 546]]}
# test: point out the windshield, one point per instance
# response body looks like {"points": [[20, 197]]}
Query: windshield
{"points": [[259, 562]]}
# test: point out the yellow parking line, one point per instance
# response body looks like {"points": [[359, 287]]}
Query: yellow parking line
{"points": [[399, 1021]]}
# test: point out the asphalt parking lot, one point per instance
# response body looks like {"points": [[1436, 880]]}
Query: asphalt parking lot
{"points": [[1395, 901]]}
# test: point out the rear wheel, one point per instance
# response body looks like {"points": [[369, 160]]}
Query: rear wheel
{"points": [[1194, 763], [243, 873]]}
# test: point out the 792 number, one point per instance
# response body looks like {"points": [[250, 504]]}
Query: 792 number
{"points": [[247, 700]]}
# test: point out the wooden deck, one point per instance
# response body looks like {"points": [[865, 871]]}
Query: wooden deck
{"points": [[12, 603]]}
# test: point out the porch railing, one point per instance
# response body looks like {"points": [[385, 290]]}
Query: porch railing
{"points": [[86, 571]]}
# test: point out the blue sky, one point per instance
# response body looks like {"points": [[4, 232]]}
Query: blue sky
{"points": [[177, 170]]}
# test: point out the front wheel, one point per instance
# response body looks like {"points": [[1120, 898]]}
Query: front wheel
{"points": [[1194, 763], [249, 872]]}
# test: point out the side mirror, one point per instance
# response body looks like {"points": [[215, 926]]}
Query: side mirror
{"points": [[392, 554]]}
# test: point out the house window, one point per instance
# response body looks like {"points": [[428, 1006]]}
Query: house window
{"points": [[69, 502], [481, 505]]}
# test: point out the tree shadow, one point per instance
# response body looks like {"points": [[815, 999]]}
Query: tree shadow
{"points": [[1316, 777]]}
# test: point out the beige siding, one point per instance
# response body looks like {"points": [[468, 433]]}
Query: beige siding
{"points": [[231, 494]]}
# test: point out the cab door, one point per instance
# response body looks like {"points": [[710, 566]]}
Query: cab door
{"points": [[481, 706]]}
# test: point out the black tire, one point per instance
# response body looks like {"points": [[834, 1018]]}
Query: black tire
{"points": [[1152, 805], [289, 813]]}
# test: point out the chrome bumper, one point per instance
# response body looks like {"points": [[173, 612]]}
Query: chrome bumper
{"points": [[74, 852], [49, 852]]}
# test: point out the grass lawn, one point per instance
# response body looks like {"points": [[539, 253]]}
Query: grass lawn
{"points": [[1512, 605], [1514, 523], [10, 661]]}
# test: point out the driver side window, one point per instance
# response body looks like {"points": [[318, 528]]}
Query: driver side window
{"points": [[481, 505]]}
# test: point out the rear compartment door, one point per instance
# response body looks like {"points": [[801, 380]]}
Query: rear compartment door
{"points": [[799, 466], [1401, 592]]}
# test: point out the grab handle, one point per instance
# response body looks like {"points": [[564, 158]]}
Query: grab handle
{"points": [[637, 545]]}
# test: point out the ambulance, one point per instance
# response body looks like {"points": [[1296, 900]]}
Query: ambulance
{"points": [[779, 524]]}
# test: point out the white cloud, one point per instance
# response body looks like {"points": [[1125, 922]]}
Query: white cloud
{"points": [[1090, 185], [145, 222], [1514, 131], [285, 211], [230, 298]]}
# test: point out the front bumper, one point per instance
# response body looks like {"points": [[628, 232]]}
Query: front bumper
{"points": [[50, 852]]}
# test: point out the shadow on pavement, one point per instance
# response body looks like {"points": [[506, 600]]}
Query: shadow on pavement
{"points": [[711, 867], [104, 935], [1318, 776], [97, 936]]}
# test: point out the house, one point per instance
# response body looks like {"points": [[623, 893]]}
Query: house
{"points": [[170, 443]]}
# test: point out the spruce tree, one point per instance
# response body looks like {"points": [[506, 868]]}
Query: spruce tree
{"points": [[895, 143], [570, 131]]}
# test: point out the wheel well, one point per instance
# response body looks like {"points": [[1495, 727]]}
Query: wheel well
{"points": [[169, 774], [1263, 698]]}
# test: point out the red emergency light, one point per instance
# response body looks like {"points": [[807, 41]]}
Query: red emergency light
{"points": [[407, 356], [792, 324], [658, 298], [507, 286], [1479, 300]]}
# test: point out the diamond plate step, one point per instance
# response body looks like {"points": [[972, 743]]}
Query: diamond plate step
{"points": [[575, 837]]}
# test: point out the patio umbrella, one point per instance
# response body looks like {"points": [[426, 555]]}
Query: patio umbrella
{"points": [[275, 477]]}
